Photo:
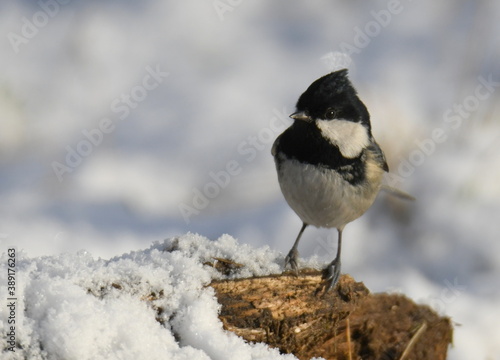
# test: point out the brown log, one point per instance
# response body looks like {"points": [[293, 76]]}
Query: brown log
{"points": [[293, 314]]}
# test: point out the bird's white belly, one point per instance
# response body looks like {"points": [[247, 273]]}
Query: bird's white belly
{"points": [[321, 197]]}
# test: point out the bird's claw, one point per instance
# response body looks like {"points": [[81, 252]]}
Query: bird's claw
{"points": [[331, 275], [291, 259]]}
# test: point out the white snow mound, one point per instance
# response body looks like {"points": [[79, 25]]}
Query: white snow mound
{"points": [[73, 306]]}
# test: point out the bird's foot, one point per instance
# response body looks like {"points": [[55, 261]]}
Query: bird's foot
{"points": [[331, 275], [291, 259]]}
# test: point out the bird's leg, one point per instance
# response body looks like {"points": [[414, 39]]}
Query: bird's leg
{"points": [[293, 254], [331, 273]]}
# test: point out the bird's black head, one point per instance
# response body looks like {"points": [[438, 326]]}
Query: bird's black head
{"points": [[332, 97]]}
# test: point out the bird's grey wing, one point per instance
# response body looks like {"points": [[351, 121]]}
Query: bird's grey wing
{"points": [[378, 155]]}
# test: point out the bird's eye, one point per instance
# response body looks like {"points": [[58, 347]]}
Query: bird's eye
{"points": [[331, 114]]}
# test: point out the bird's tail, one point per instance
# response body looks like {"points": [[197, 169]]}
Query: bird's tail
{"points": [[397, 192]]}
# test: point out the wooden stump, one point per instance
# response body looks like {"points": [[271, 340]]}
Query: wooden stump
{"points": [[289, 313]]}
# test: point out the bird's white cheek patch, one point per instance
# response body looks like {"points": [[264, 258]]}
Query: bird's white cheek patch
{"points": [[350, 137]]}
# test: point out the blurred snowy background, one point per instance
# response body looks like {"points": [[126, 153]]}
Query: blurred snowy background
{"points": [[127, 122]]}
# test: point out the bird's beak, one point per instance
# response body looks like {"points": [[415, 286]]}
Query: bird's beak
{"points": [[301, 115]]}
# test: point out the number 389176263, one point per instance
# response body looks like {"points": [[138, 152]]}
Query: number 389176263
{"points": [[11, 272]]}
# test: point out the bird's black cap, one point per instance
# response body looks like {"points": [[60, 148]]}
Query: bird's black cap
{"points": [[333, 90]]}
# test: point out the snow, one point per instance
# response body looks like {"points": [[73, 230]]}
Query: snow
{"points": [[79, 307], [233, 77]]}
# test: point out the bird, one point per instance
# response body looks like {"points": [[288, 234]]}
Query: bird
{"points": [[329, 166]]}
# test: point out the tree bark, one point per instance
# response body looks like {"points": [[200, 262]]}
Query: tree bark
{"points": [[294, 314]]}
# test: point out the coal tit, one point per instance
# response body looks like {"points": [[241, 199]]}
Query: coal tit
{"points": [[329, 166]]}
